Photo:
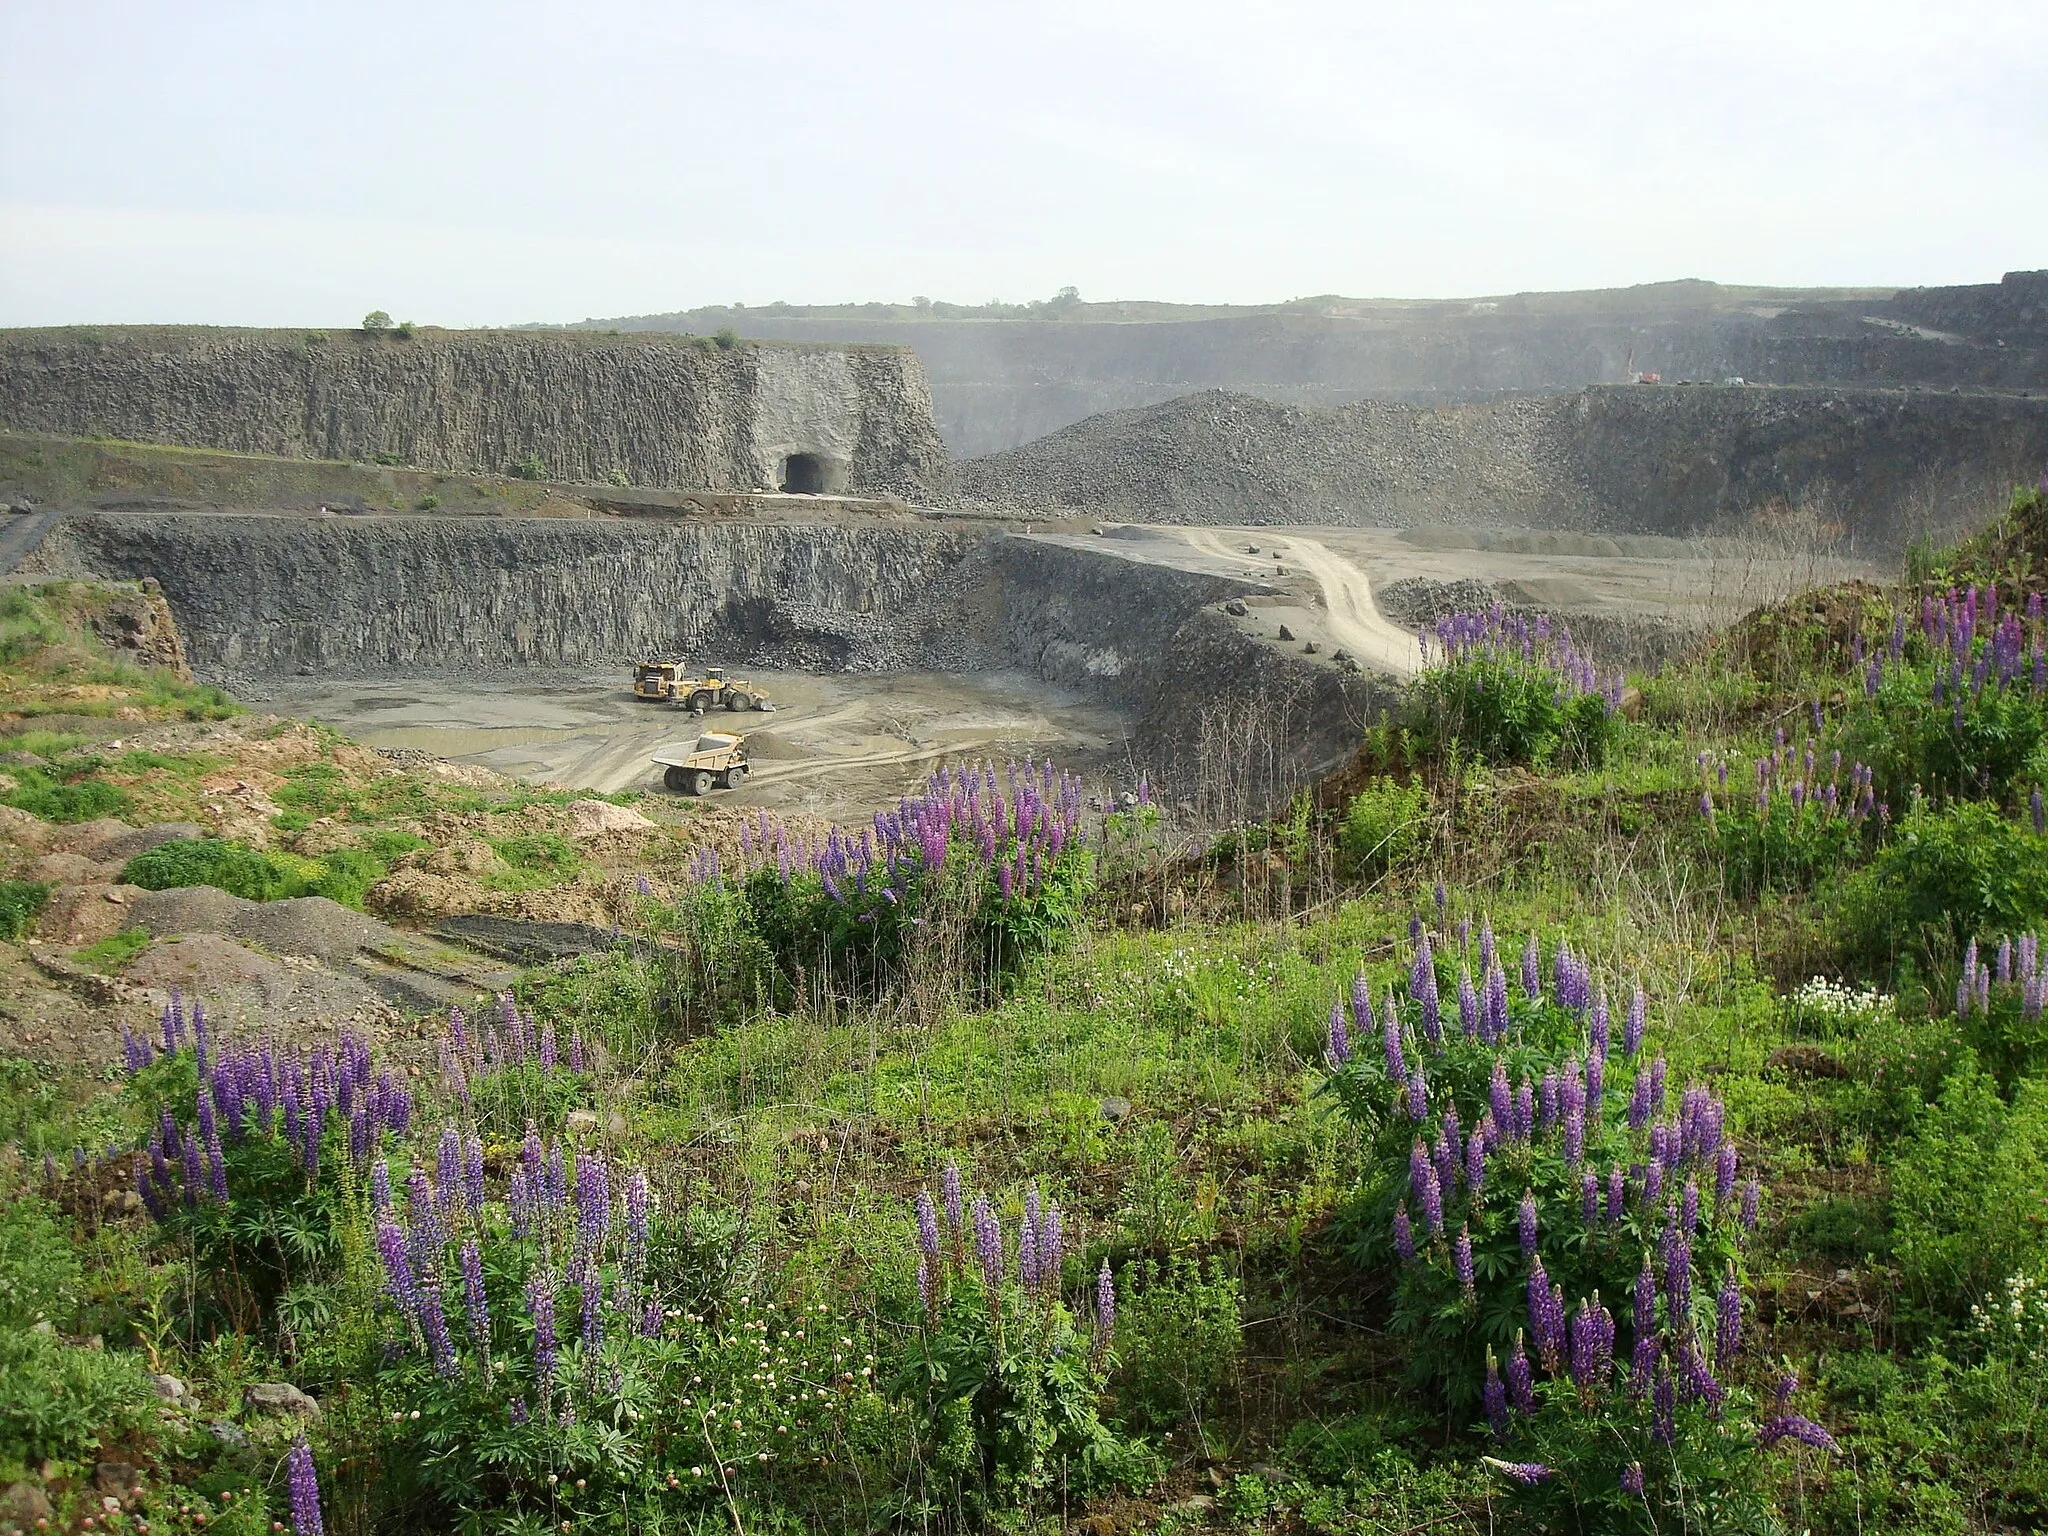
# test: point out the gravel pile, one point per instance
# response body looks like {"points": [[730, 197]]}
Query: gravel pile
{"points": [[1225, 458], [305, 925]]}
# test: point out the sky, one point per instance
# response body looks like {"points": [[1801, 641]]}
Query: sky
{"points": [[286, 163]]}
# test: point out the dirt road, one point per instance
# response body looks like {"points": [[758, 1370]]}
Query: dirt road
{"points": [[839, 746]]}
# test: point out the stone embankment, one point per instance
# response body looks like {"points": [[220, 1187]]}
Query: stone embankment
{"points": [[647, 410], [1873, 468]]}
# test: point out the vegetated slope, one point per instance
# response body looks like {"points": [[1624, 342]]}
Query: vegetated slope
{"points": [[1882, 465]]}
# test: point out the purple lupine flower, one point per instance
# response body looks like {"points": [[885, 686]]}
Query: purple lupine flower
{"points": [[927, 1226], [1689, 1207], [1499, 1099], [1461, 1264], [398, 1275], [949, 1185], [1549, 1100], [1418, 1095], [1525, 1110], [1105, 1307], [590, 1292], [927, 1294], [1404, 1233], [1546, 1333], [1597, 1028], [434, 1326], [1390, 1040], [1468, 1005], [1632, 1024], [1574, 1137], [577, 1056], [473, 1300], [1027, 1252], [1675, 1249], [1698, 1381], [1362, 1021], [1526, 1473], [1632, 1479], [1494, 1006], [639, 1219], [1724, 1174], [1495, 1396], [304, 1484], [1589, 1200], [1521, 1381], [1617, 1195], [1664, 1405], [1525, 1216], [1752, 1194], [1793, 1426], [1430, 1197], [540, 1306], [1532, 971], [988, 1246], [1338, 1048], [1727, 1321]]}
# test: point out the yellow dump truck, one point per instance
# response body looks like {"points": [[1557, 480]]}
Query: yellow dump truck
{"points": [[716, 757], [658, 679]]}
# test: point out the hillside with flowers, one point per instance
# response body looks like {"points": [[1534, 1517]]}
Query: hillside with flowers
{"points": [[1608, 1104]]}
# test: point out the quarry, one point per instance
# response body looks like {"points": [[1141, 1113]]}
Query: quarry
{"points": [[456, 511], [1104, 772]]}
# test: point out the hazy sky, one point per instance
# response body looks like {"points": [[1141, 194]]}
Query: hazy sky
{"points": [[286, 162]]}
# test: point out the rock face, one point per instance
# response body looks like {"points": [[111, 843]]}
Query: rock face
{"points": [[664, 411], [1878, 466], [262, 596], [1001, 382]]}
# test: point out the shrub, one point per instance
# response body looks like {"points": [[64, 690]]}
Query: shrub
{"points": [[725, 338], [532, 467], [1796, 823], [1462, 1113], [234, 868], [39, 1272], [55, 799], [21, 902], [1946, 875], [59, 1402], [1970, 1193], [1509, 690], [1384, 827], [427, 503], [1179, 1336], [376, 321]]}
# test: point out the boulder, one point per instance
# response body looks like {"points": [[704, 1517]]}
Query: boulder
{"points": [[169, 1388], [278, 1399]]}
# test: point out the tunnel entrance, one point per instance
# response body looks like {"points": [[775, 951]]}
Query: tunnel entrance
{"points": [[804, 474]]}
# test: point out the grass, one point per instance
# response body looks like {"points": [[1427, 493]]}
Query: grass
{"points": [[1163, 1079], [114, 951]]}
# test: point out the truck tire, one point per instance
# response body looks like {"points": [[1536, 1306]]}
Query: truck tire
{"points": [[677, 779], [737, 701], [700, 781], [701, 700], [736, 775]]}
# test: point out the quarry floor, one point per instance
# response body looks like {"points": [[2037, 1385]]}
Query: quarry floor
{"points": [[838, 745]]}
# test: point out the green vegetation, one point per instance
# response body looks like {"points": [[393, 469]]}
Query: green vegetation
{"points": [[1581, 1117], [20, 903], [114, 951]]}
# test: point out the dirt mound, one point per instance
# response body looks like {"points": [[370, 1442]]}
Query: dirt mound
{"points": [[189, 909], [200, 964], [302, 925], [308, 925], [590, 819], [1225, 458], [85, 914]]}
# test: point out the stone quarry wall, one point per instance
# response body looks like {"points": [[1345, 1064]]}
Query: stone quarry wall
{"points": [[1880, 466], [263, 596], [1000, 383], [661, 411]]}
